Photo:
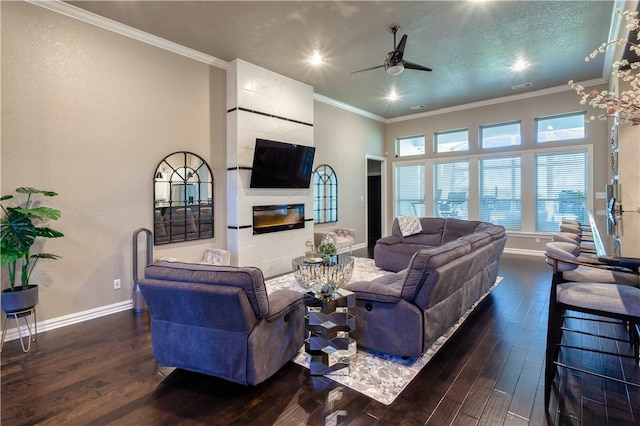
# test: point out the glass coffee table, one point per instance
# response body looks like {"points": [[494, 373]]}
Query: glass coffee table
{"points": [[323, 276]]}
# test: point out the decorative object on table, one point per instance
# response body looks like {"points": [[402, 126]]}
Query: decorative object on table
{"points": [[626, 104], [327, 247], [342, 237], [310, 252], [328, 324], [18, 232], [322, 276]]}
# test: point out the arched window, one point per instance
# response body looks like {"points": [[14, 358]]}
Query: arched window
{"points": [[325, 194], [183, 199]]}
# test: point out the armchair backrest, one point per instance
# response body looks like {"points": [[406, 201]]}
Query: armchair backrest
{"points": [[249, 279]]}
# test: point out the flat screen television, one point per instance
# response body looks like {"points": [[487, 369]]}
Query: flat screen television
{"points": [[281, 165]]}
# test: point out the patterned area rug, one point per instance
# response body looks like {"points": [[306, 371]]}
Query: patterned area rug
{"points": [[377, 375]]}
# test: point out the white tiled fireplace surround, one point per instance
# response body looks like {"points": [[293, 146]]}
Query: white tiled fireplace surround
{"points": [[263, 104]]}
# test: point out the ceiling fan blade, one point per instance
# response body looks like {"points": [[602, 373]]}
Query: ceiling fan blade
{"points": [[411, 66], [368, 69], [400, 47]]}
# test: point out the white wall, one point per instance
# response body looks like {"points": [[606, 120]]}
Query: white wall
{"points": [[289, 105]]}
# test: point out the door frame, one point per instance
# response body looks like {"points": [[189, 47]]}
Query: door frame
{"points": [[383, 193]]}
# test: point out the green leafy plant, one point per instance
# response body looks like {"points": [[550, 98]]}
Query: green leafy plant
{"points": [[18, 233]]}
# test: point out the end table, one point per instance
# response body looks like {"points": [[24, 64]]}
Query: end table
{"points": [[328, 324]]}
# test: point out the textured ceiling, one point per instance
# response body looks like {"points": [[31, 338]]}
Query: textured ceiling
{"points": [[470, 45]]}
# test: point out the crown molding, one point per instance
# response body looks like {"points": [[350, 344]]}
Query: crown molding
{"points": [[127, 31], [488, 102], [347, 107]]}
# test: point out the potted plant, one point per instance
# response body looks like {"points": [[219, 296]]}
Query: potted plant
{"points": [[18, 232]]}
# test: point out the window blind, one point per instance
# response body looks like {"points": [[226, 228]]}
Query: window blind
{"points": [[409, 190], [451, 189], [561, 188], [500, 191]]}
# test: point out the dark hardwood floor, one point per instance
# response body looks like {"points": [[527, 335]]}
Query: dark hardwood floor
{"points": [[490, 373]]}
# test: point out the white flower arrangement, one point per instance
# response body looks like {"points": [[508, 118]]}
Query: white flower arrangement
{"points": [[626, 104]]}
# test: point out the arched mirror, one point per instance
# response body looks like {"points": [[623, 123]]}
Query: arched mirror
{"points": [[183, 199], [325, 194]]}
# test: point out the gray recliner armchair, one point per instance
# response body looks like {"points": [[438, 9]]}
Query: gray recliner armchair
{"points": [[219, 321]]}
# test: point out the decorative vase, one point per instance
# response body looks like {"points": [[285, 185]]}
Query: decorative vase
{"points": [[20, 299], [309, 252], [327, 248]]}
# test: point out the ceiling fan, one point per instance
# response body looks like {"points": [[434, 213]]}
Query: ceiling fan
{"points": [[393, 63]]}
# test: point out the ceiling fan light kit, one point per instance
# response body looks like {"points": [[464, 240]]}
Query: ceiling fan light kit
{"points": [[393, 63], [394, 69]]}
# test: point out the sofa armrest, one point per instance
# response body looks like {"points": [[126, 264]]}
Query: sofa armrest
{"points": [[377, 291], [281, 302], [389, 240]]}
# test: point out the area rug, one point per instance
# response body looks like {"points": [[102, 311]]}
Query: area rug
{"points": [[378, 375]]}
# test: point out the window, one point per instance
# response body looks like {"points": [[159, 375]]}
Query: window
{"points": [[560, 127], [561, 188], [413, 145], [409, 190], [500, 135], [500, 196], [325, 194], [451, 141], [451, 189]]}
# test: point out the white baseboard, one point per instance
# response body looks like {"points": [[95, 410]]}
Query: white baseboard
{"points": [[524, 252], [63, 321], [353, 247]]}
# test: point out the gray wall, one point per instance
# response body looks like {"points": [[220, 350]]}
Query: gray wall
{"points": [[343, 140], [89, 114]]}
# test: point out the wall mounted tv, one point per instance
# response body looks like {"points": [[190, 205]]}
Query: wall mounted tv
{"points": [[281, 165]]}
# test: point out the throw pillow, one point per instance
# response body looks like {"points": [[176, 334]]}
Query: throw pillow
{"points": [[409, 225]]}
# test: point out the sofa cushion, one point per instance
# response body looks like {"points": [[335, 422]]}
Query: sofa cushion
{"points": [[386, 288], [477, 239], [446, 253], [249, 278], [389, 240], [456, 228], [495, 231]]}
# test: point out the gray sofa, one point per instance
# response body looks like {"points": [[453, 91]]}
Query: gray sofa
{"points": [[218, 320], [394, 252], [404, 313]]}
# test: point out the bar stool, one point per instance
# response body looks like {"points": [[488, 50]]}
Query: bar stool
{"points": [[613, 301]]}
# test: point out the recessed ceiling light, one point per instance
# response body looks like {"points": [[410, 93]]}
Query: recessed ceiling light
{"points": [[316, 59], [393, 95], [520, 65]]}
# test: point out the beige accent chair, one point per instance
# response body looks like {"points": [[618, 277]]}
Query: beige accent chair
{"points": [[342, 237]]}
